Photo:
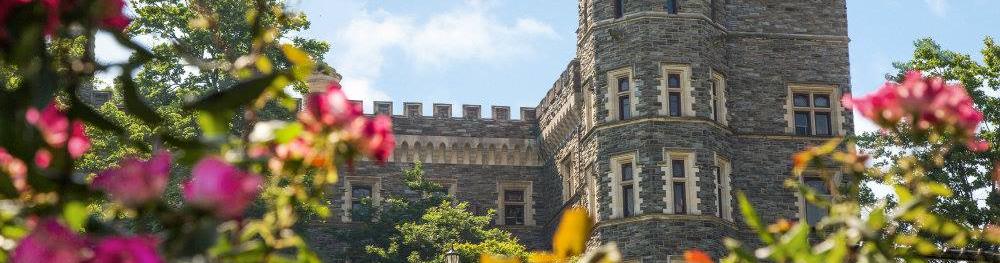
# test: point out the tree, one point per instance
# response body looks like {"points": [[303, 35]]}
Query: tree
{"points": [[406, 229], [975, 202]]}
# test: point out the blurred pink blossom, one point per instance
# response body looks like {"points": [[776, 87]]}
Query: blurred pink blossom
{"points": [[135, 182], [50, 241], [220, 188], [43, 158], [126, 250], [113, 18], [330, 108], [15, 168], [376, 138], [924, 104], [58, 130]]}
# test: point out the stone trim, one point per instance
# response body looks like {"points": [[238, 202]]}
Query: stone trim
{"points": [[687, 100], [615, 184], [529, 200], [465, 150], [612, 93], [701, 120], [450, 184], [837, 119], [650, 217], [690, 180], [374, 182]]}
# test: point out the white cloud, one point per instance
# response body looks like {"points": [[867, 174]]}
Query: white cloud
{"points": [[466, 33], [938, 7]]}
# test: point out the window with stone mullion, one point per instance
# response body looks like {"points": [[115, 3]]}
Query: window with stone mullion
{"points": [[679, 185], [627, 189], [675, 99], [813, 113], [624, 98], [514, 207]]}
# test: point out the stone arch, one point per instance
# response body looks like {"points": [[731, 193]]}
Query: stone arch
{"points": [[467, 153], [517, 157], [456, 153], [491, 155], [529, 156], [442, 154], [429, 153], [478, 154], [404, 153], [504, 155]]}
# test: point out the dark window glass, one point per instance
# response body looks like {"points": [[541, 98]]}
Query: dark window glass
{"points": [[674, 81], [513, 214], [619, 8], [821, 100], [674, 102], [624, 107], [671, 6], [626, 172], [715, 100], [627, 197], [359, 193], [623, 84], [719, 188], [513, 196], [800, 100], [813, 212], [823, 123], [677, 168], [680, 198], [803, 123]]}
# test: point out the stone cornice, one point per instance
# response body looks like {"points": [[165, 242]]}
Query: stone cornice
{"points": [[700, 120], [658, 216]]}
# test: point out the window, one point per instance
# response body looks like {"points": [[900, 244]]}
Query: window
{"points": [[620, 89], [569, 187], [357, 191], [718, 93], [813, 213], [625, 177], [680, 183], [723, 171], [814, 111], [624, 99], [513, 207], [671, 6], [514, 204], [676, 91], [619, 8], [628, 193]]}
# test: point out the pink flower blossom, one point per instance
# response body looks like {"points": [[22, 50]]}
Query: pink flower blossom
{"points": [[15, 168], [136, 182], [43, 158], [376, 138], [126, 250], [330, 108], [50, 241], [220, 188], [924, 104], [113, 18], [57, 130]]}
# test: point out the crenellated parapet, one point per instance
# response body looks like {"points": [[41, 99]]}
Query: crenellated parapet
{"points": [[465, 150], [446, 111]]}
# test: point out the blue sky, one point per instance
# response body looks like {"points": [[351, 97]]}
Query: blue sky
{"points": [[493, 52]]}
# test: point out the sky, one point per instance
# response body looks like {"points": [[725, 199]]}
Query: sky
{"points": [[509, 52]]}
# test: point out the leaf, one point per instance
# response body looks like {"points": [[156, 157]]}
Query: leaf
{"points": [[287, 133], [753, 220], [234, 97], [302, 65], [134, 102], [214, 124], [75, 214]]}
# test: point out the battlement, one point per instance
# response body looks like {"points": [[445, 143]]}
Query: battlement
{"points": [[446, 111]]}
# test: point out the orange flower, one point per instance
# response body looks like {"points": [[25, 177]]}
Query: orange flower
{"points": [[800, 160], [696, 256], [782, 226]]}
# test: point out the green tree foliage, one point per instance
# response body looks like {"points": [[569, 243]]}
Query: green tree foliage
{"points": [[424, 227], [965, 172], [196, 46]]}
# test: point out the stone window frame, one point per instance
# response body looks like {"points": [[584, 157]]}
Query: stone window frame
{"points": [[687, 100], [724, 189], [829, 176], [613, 94], [589, 101], [450, 184], [690, 180], [592, 201], [529, 210], [566, 172], [617, 208], [836, 109], [374, 182], [718, 98]]}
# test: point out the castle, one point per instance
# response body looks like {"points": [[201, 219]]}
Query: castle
{"points": [[669, 109]]}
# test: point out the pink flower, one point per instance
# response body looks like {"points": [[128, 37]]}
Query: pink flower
{"points": [[330, 108], [126, 250], [57, 130], [924, 104], [376, 139], [136, 182], [50, 241], [221, 188], [43, 158], [15, 168], [113, 18]]}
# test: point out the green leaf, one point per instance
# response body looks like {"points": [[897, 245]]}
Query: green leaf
{"points": [[214, 124], [287, 133], [753, 220], [75, 214], [134, 102], [234, 97]]}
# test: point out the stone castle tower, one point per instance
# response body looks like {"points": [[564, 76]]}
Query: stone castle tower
{"points": [[669, 109]]}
